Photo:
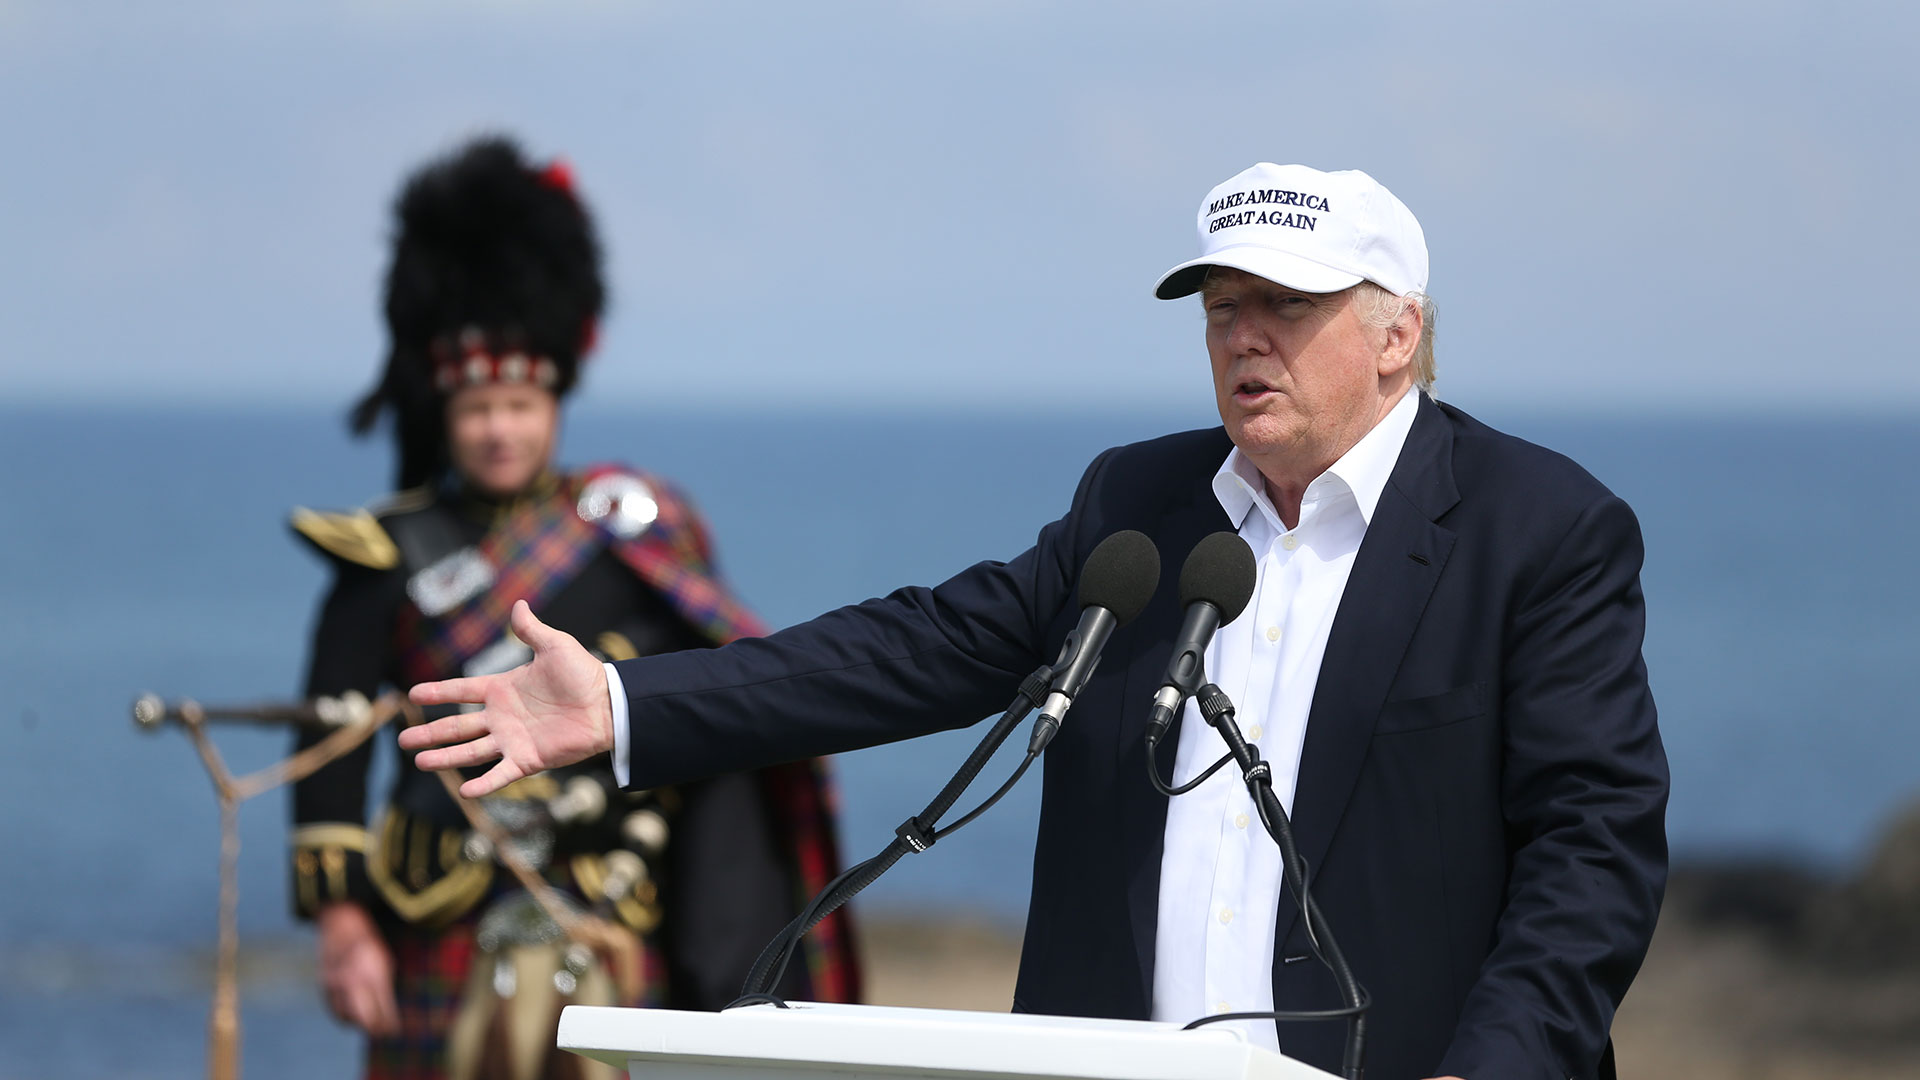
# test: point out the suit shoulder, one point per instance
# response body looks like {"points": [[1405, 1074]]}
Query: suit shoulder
{"points": [[1154, 472], [1490, 460], [360, 536], [1180, 452]]}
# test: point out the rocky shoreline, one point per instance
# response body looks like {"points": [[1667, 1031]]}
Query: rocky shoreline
{"points": [[1763, 970]]}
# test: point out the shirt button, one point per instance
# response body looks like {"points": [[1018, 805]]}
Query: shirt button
{"points": [[1254, 732], [1273, 633], [1221, 1007], [1226, 915], [1289, 541], [1239, 821]]}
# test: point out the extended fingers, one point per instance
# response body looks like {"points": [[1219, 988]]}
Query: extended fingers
{"points": [[459, 756], [492, 780], [448, 729], [470, 691]]}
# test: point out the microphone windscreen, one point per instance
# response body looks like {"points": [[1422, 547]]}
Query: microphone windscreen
{"points": [[1221, 572], [1121, 574]]}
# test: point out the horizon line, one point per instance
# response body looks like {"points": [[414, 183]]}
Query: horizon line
{"points": [[1759, 409]]}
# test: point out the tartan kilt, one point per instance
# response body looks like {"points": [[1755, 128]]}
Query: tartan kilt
{"points": [[430, 972]]}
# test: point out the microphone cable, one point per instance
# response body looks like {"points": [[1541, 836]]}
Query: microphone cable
{"points": [[914, 835], [987, 803], [1116, 582], [1159, 785], [1218, 710]]}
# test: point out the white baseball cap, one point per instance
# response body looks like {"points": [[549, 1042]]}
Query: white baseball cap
{"points": [[1308, 230]]}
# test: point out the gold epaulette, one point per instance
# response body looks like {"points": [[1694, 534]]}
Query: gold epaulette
{"points": [[356, 537], [399, 502]]}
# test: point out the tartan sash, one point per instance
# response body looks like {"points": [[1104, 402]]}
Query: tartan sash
{"points": [[542, 547], [533, 555], [675, 556]]}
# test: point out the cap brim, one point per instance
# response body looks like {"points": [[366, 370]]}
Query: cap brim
{"points": [[1278, 266]]}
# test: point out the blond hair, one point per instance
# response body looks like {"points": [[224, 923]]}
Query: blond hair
{"points": [[1383, 310]]}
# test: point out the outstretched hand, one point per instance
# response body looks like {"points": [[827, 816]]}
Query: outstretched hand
{"points": [[549, 712]]}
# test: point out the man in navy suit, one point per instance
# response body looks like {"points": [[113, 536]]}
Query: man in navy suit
{"points": [[1441, 660]]}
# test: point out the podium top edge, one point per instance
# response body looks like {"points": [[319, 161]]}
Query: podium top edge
{"points": [[924, 1042]]}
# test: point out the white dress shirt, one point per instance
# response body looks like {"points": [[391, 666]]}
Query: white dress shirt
{"points": [[1220, 882]]}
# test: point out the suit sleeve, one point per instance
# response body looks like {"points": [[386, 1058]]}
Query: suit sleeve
{"points": [[330, 807], [917, 661], [1584, 793]]}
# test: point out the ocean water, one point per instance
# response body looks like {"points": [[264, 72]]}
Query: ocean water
{"points": [[147, 551]]}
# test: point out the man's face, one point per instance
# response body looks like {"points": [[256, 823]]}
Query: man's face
{"points": [[1295, 374], [501, 436]]}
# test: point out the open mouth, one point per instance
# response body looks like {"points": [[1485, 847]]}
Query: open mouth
{"points": [[1251, 388]]}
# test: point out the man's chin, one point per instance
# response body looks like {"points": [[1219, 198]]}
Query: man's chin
{"points": [[502, 483], [1260, 434]]}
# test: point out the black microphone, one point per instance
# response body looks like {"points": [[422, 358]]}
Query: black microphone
{"points": [[1115, 585], [1215, 585]]}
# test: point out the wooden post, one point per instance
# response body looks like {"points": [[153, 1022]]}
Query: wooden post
{"points": [[223, 1026]]}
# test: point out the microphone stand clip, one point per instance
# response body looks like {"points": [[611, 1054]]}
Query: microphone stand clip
{"points": [[915, 835]]}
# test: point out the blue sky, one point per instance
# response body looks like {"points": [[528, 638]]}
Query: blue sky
{"points": [[929, 204]]}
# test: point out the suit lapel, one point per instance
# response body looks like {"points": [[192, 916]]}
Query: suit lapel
{"points": [[1393, 577]]}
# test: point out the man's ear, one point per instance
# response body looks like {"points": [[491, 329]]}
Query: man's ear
{"points": [[1402, 338]]}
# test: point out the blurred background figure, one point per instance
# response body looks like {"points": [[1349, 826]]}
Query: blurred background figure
{"points": [[492, 301]]}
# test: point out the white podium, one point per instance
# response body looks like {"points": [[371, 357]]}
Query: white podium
{"points": [[814, 1042]]}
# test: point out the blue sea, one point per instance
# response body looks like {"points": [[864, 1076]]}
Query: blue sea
{"points": [[146, 550]]}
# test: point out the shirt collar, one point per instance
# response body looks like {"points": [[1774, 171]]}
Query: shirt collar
{"points": [[1363, 470]]}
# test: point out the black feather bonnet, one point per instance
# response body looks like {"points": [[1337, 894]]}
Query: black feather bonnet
{"points": [[495, 277]]}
